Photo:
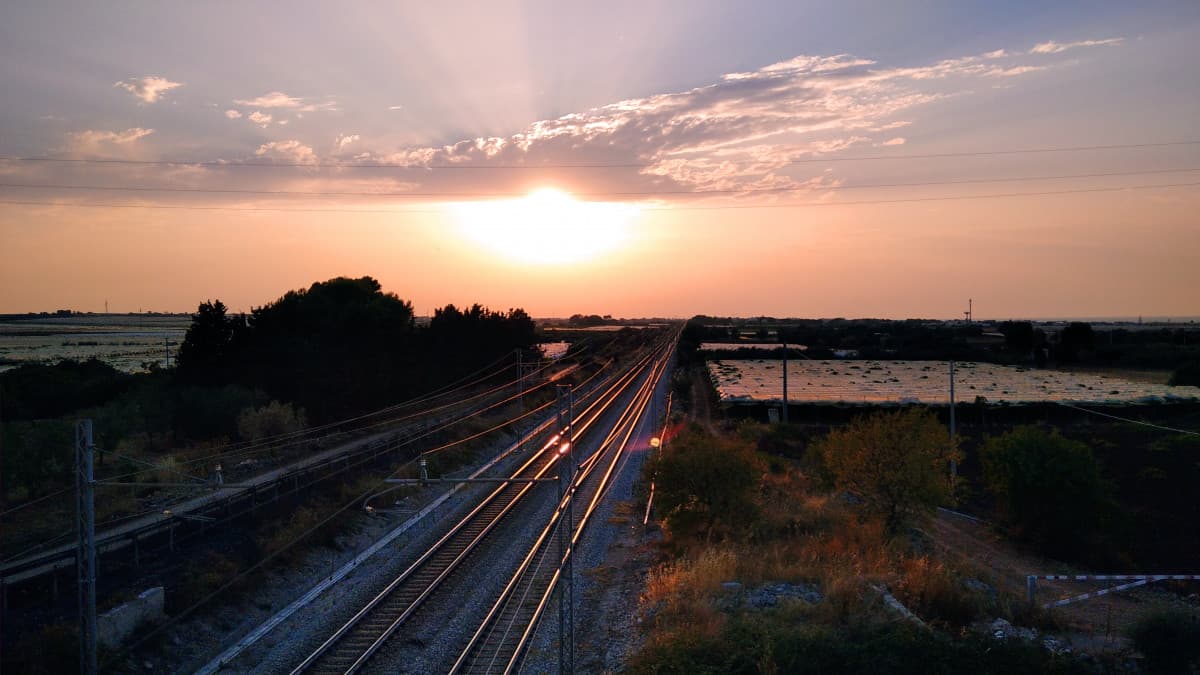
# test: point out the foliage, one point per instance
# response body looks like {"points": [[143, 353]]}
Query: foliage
{"points": [[1074, 339], [769, 644], [1187, 374], [1048, 488], [1018, 337], [896, 462], [206, 353], [37, 391], [273, 419], [1169, 640], [343, 346], [38, 456], [705, 484]]}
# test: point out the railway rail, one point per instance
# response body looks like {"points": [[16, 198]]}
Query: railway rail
{"points": [[502, 638], [354, 644]]}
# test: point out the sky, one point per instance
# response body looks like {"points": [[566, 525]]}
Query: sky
{"points": [[805, 159]]}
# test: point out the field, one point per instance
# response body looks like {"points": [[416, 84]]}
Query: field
{"points": [[125, 341], [871, 382]]}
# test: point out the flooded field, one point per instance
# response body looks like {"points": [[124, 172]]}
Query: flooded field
{"points": [[760, 380], [126, 341]]}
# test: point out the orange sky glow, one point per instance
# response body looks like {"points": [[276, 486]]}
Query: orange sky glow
{"points": [[541, 163]]}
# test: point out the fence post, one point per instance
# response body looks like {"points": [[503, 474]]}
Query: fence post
{"points": [[1031, 588]]}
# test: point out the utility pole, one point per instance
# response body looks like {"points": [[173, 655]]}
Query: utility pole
{"points": [[85, 556], [521, 397], [566, 488], [166, 351], [953, 464], [784, 417]]}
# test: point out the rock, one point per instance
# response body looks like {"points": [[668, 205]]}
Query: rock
{"points": [[979, 586], [770, 595], [1003, 630], [1055, 646]]}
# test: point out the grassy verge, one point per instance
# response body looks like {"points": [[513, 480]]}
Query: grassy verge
{"points": [[793, 583]]}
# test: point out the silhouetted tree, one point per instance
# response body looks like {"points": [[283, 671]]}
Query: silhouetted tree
{"points": [[1018, 337], [1075, 338], [207, 350]]}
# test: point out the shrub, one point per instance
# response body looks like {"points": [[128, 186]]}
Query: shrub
{"points": [[896, 462], [1048, 488], [706, 484], [273, 419], [1187, 374], [1169, 640]]}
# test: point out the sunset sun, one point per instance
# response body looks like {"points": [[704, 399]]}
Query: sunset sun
{"points": [[547, 227]]}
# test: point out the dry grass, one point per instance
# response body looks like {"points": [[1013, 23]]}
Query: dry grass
{"points": [[808, 537]]}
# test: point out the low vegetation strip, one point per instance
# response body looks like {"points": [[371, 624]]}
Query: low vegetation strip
{"points": [[843, 521]]}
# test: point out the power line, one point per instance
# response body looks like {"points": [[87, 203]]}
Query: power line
{"points": [[1131, 421], [630, 193], [619, 165], [901, 200]]}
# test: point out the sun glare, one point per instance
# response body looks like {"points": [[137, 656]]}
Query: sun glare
{"points": [[547, 227]]}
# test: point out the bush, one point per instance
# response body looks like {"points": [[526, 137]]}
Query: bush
{"points": [[1048, 488], [896, 462], [273, 419], [1170, 641], [706, 484], [1185, 375]]}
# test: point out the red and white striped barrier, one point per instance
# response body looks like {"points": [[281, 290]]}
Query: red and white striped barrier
{"points": [[1133, 579]]}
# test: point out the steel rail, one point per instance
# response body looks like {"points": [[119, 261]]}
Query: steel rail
{"points": [[352, 645], [495, 639]]}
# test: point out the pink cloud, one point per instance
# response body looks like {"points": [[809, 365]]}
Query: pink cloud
{"points": [[148, 89]]}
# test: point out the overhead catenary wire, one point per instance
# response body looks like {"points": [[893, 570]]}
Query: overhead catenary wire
{"points": [[626, 193], [184, 613], [266, 443], [728, 207], [616, 165]]}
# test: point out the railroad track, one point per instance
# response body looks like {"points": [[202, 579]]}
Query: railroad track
{"points": [[352, 646], [501, 640]]}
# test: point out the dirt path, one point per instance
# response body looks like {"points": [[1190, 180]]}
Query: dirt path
{"points": [[701, 411], [976, 549]]}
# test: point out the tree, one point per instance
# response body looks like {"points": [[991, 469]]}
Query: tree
{"points": [[1018, 337], [207, 348], [1048, 488], [896, 462], [1075, 338], [1186, 374], [705, 484]]}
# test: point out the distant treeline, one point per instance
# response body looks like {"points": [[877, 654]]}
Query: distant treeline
{"points": [[336, 349], [343, 345], [1009, 342]]}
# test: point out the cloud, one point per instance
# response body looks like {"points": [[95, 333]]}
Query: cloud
{"points": [[92, 136], [275, 99], [746, 130], [1052, 47], [98, 143], [149, 88], [395, 107], [291, 151], [278, 99], [232, 114]]}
